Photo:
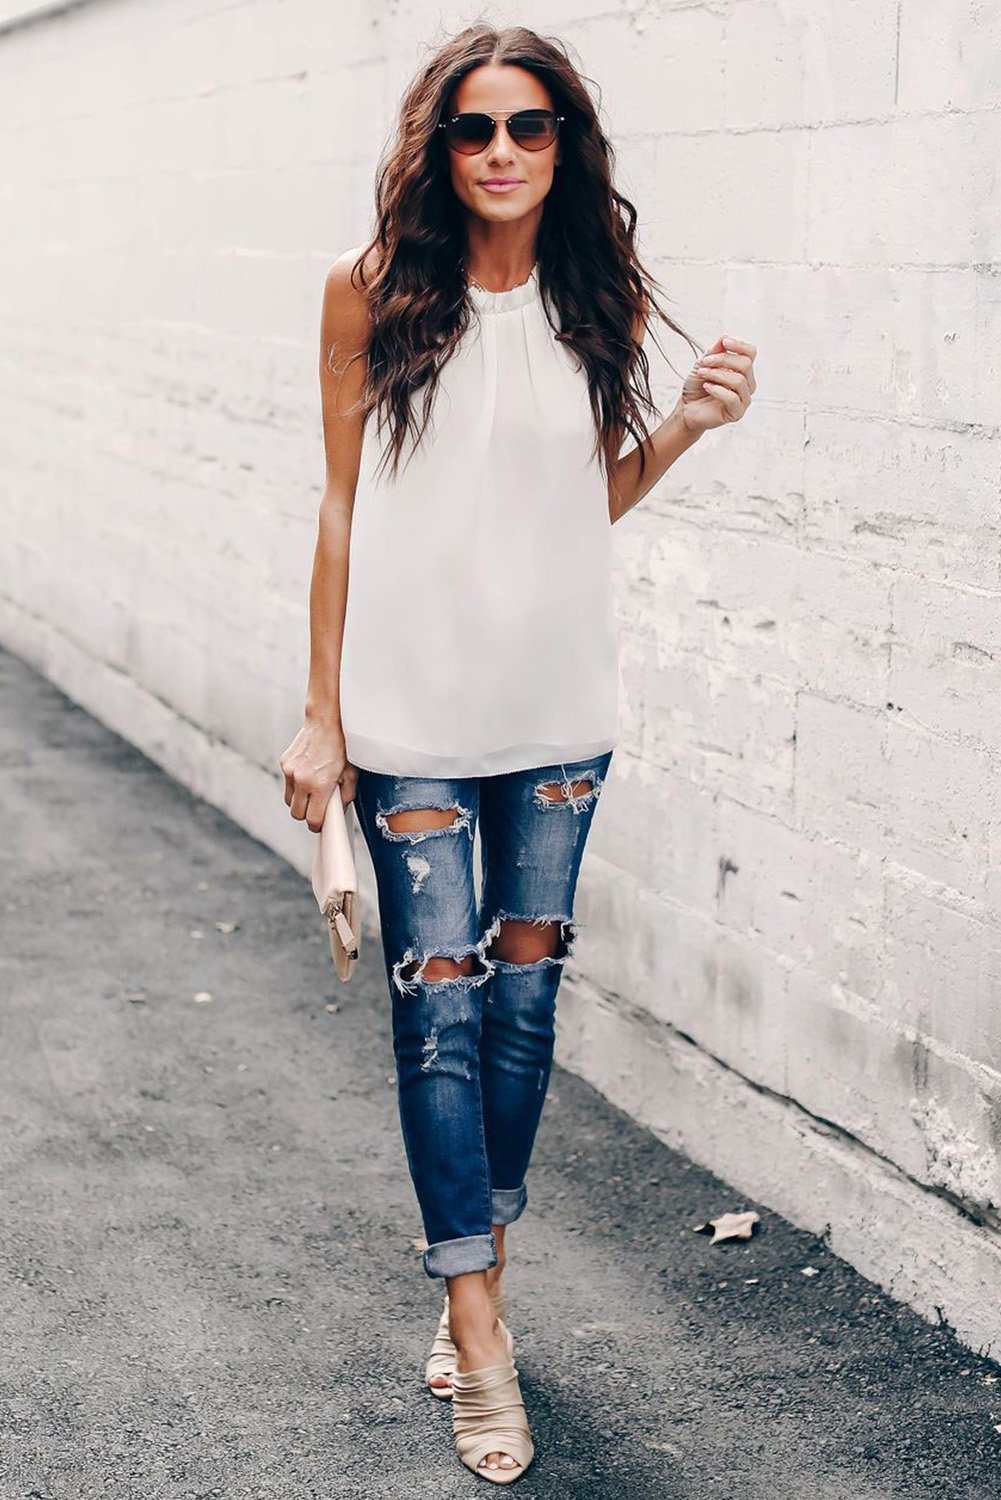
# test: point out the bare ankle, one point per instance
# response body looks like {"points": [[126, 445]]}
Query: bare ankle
{"points": [[478, 1344], [478, 1333]]}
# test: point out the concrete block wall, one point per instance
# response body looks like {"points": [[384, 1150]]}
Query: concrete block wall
{"points": [[791, 958]]}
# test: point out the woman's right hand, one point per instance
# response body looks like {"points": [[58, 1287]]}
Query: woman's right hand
{"points": [[314, 766]]}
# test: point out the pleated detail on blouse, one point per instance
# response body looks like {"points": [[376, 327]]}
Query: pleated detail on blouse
{"points": [[479, 635]]}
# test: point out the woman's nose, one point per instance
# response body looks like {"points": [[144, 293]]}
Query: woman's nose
{"points": [[500, 146]]}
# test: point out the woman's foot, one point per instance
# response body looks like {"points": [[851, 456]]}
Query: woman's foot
{"points": [[490, 1348], [440, 1348], [479, 1341]]}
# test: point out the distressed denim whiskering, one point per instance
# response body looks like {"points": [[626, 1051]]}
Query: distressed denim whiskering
{"points": [[474, 1051]]}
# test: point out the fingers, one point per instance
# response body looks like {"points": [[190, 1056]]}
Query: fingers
{"points": [[312, 766], [739, 364], [316, 810], [287, 763], [741, 346], [732, 378], [318, 801], [729, 379], [730, 399], [308, 802]]}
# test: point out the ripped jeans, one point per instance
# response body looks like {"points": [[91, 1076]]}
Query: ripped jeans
{"points": [[474, 1051]]}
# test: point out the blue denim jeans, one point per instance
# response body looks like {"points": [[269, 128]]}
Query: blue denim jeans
{"points": [[474, 1051]]}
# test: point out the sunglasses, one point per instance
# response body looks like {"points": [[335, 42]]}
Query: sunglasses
{"points": [[535, 129]]}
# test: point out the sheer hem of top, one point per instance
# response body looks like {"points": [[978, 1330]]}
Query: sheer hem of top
{"points": [[402, 760]]}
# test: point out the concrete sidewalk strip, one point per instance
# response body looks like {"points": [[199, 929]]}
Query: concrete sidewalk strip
{"points": [[210, 1285]]}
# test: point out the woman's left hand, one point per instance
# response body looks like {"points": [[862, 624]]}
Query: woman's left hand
{"points": [[720, 386]]}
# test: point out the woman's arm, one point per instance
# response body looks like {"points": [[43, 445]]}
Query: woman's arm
{"points": [[718, 390], [666, 443], [315, 762], [343, 335]]}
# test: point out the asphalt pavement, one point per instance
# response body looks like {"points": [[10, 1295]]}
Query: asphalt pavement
{"points": [[210, 1280]]}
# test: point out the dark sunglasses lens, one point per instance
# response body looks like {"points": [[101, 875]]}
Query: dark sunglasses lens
{"points": [[535, 131], [470, 132]]}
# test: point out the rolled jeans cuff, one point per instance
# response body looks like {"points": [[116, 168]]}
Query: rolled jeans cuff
{"points": [[507, 1204], [473, 1252]]}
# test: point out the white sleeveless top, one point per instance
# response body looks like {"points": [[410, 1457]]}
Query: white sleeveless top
{"points": [[479, 634]]}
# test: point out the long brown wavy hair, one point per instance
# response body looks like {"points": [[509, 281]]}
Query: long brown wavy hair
{"points": [[593, 285]]}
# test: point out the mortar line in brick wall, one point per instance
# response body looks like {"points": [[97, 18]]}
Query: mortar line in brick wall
{"points": [[900, 419], [896, 61], [815, 126], [867, 1010], [817, 263], [982, 1218]]}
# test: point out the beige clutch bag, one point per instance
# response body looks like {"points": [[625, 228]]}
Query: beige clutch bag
{"points": [[335, 885]]}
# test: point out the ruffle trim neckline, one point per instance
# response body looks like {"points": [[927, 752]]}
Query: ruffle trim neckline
{"points": [[514, 296]]}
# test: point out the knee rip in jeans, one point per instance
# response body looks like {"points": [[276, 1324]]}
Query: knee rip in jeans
{"points": [[436, 969], [442, 969], [577, 795], [505, 925], [414, 824]]}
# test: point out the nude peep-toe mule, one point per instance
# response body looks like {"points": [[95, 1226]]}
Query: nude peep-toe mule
{"points": [[488, 1416], [441, 1360]]}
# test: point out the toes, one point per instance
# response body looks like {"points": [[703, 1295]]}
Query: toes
{"points": [[499, 1461]]}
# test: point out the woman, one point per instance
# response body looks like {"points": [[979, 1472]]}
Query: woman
{"points": [[468, 676]]}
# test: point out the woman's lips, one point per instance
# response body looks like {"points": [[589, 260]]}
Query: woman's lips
{"points": [[500, 187]]}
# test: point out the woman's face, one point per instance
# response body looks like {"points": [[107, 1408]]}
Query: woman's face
{"points": [[498, 88]]}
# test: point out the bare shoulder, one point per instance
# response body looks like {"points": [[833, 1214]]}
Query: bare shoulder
{"points": [[344, 342], [345, 308]]}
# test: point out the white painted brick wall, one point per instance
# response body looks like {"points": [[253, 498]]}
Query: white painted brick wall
{"points": [[791, 963]]}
